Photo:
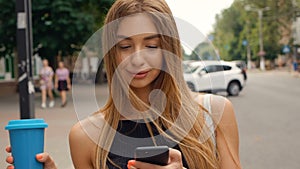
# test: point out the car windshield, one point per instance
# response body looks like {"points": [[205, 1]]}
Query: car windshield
{"points": [[188, 68]]}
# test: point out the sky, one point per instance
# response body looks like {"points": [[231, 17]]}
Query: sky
{"points": [[199, 13]]}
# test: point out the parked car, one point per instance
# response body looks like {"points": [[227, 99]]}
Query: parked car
{"points": [[243, 66], [213, 76]]}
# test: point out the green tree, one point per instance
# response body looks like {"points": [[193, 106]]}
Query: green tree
{"points": [[229, 32], [58, 25], [235, 24], [204, 51], [7, 27]]}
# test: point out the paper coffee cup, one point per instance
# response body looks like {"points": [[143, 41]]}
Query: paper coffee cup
{"points": [[26, 140]]}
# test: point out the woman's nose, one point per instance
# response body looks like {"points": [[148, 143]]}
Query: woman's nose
{"points": [[137, 58]]}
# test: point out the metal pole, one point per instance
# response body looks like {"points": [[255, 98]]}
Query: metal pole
{"points": [[24, 42], [295, 32], [261, 44], [248, 48], [249, 57], [29, 31]]}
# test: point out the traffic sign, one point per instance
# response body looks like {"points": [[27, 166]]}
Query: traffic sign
{"points": [[211, 37], [245, 42], [286, 49]]}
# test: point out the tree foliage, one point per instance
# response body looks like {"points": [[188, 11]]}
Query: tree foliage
{"points": [[235, 25], [7, 27], [58, 25], [204, 51]]}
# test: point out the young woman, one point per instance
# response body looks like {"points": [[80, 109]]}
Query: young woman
{"points": [[150, 103], [46, 84], [62, 82]]}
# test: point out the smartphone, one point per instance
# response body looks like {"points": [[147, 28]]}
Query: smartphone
{"points": [[158, 155]]}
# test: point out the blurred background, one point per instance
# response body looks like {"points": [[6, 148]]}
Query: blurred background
{"points": [[259, 38]]}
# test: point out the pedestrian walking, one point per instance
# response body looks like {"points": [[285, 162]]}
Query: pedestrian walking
{"points": [[150, 104], [62, 82], [46, 84]]}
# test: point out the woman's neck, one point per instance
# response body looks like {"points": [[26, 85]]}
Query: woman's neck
{"points": [[143, 93]]}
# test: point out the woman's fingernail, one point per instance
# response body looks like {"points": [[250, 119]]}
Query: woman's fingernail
{"points": [[39, 156], [10, 158], [11, 167], [130, 164]]}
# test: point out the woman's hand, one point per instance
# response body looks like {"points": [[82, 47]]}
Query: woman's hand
{"points": [[69, 86], [47, 160], [175, 162], [42, 157], [9, 159]]}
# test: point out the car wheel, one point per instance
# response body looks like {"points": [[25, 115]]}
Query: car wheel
{"points": [[191, 86], [233, 89]]}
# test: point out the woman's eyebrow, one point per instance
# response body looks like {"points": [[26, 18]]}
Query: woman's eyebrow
{"points": [[123, 37], [151, 37]]}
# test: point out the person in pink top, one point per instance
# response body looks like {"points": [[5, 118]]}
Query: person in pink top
{"points": [[62, 82], [46, 84]]}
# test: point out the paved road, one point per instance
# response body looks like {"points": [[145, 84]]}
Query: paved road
{"points": [[267, 112]]}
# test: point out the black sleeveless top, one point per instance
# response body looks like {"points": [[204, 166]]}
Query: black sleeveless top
{"points": [[132, 134]]}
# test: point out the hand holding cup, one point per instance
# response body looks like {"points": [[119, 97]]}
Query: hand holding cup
{"points": [[42, 158], [27, 145]]}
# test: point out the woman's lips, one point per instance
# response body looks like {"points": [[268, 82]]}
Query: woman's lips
{"points": [[140, 75]]}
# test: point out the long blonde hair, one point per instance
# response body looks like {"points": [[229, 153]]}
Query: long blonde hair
{"points": [[179, 108]]}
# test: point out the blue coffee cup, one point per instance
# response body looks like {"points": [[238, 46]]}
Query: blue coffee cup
{"points": [[26, 140]]}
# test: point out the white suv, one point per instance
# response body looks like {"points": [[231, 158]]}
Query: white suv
{"points": [[213, 76]]}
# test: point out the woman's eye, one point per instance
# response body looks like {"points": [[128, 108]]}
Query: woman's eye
{"points": [[124, 46], [152, 46]]}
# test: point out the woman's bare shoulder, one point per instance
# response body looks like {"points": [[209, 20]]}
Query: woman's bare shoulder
{"points": [[227, 132], [198, 97], [215, 100], [222, 107], [218, 104], [83, 139], [88, 128]]}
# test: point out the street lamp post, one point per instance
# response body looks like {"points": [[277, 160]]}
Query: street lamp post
{"points": [[261, 43], [24, 47], [248, 47], [261, 52], [296, 32]]}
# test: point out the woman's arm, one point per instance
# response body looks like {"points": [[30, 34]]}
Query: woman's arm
{"points": [[51, 75], [227, 138], [56, 80], [81, 148], [68, 80]]}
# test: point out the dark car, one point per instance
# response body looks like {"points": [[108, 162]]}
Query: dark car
{"points": [[243, 66]]}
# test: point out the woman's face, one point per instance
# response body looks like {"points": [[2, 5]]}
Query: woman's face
{"points": [[60, 64], [45, 63], [139, 51]]}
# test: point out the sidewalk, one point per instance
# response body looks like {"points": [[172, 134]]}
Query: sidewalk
{"points": [[60, 120], [282, 71]]}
